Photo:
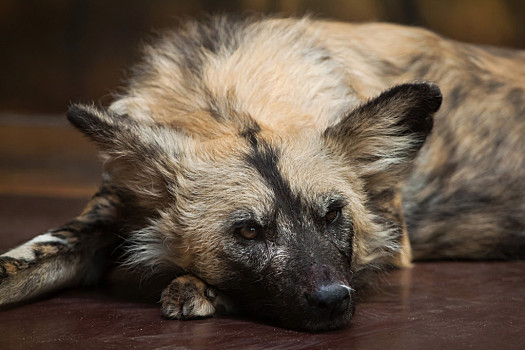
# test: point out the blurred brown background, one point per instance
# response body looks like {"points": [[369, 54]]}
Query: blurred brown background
{"points": [[54, 52], [57, 51]]}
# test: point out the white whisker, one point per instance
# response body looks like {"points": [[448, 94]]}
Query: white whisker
{"points": [[350, 289]]}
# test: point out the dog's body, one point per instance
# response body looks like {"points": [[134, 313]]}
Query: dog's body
{"points": [[248, 158]]}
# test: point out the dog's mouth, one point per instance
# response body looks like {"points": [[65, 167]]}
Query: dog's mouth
{"points": [[313, 298], [329, 307]]}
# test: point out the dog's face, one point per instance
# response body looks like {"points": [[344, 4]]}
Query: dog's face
{"points": [[278, 217], [286, 224]]}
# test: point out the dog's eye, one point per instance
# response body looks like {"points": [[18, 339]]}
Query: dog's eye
{"points": [[332, 216], [249, 231]]}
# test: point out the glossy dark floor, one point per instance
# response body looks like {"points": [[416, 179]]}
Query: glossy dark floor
{"points": [[448, 305]]}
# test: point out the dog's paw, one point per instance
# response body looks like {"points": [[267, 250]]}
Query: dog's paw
{"points": [[187, 297]]}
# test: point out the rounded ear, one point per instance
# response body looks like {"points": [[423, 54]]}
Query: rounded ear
{"points": [[144, 159], [382, 137]]}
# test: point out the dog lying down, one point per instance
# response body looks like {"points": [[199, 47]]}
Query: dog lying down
{"points": [[273, 166]]}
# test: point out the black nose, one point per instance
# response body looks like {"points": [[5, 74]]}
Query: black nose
{"points": [[329, 301]]}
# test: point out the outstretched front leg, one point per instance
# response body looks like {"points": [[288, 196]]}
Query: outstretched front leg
{"points": [[72, 254]]}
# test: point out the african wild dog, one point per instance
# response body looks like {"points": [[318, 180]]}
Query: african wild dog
{"points": [[275, 163]]}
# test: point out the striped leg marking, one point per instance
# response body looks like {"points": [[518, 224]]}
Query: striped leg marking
{"points": [[63, 256]]}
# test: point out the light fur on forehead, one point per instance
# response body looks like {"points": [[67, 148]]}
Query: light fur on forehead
{"points": [[265, 69]]}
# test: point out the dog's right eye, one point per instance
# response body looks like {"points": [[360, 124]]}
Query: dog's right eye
{"points": [[248, 231], [332, 216]]}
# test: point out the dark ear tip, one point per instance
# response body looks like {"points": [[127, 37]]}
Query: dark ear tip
{"points": [[77, 115], [431, 94]]}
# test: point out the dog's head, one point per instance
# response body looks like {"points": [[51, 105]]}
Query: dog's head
{"points": [[286, 224]]}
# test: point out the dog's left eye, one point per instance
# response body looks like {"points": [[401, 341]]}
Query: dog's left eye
{"points": [[332, 216], [249, 231]]}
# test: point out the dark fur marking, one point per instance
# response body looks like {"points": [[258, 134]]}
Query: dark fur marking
{"points": [[516, 97], [494, 85], [381, 66], [420, 65], [66, 228], [41, 250], [324, 58], [455, 98], [502, 52], [114, 132], [213, 34], [384, 196], [74, 229], [95, 213], [250, 134], [388, 68], [60, 235], [105, 191], [264, 158], [18, 264], [416, 118], [108, 193], [213, 110], [98, 129], [213, 107], [222, 32]]}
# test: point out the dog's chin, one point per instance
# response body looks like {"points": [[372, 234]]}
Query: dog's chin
{"points": [[305, 321], [315, 324]]}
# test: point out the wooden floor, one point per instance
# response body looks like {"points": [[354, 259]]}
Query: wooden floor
{"points": [[47, 173]]}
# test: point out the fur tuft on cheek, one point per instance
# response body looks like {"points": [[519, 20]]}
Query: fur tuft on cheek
{"points": [[167, 246]]}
